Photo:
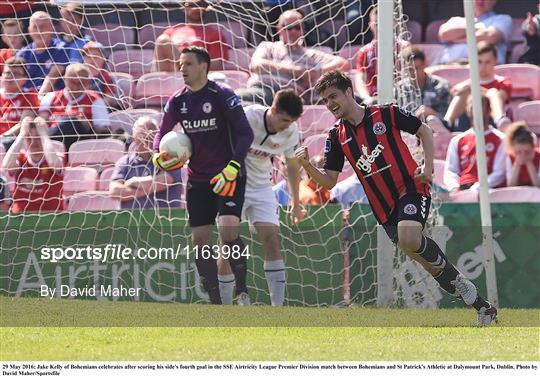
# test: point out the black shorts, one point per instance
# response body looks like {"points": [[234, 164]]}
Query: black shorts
{"points": [[411, 207], [203, 204]]}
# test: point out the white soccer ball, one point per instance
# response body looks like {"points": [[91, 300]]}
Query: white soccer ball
{"points": [[176, 144]]}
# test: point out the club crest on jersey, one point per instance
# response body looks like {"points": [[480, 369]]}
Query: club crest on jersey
{"points": [[183, 109], [410, 209], [490, 147], [366, 160], [207, 107], [379, 128], [233, 101]]}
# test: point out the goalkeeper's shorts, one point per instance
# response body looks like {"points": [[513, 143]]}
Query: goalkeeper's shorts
{"points": [[203, 205]]}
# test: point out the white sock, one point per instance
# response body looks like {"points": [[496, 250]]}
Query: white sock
{"points": [[226, 288], [275, 276]]}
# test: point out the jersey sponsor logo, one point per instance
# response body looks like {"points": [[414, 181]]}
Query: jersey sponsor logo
{"points": [[207, 107], [327, 145], [410, 209], [233, 101], [183, 109], [346, 141], [404, 112], [379, 128], [260, 153], [204, 124], [365, 161]]}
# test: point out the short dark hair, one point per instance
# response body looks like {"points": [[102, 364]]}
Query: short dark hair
{"points": [[201, 53], [414, 53], [17, 62], [519, 133], [335, 79], [484, 47], [289, 102]]}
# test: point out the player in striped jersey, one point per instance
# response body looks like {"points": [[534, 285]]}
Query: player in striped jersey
{"points": [[397, 188], [275, 133]]}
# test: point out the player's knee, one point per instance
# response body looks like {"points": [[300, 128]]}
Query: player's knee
{"points": [[408, 241]]}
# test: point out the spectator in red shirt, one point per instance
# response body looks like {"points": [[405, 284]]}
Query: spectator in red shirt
{"points": [[16, 103], [37, 169], [75, 113], [193, 33], [100, 78], [523, 162], [498, 90], [12, 36]]}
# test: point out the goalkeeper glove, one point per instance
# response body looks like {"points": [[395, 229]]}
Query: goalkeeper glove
{"points": [[162, 161], [225, 182]]}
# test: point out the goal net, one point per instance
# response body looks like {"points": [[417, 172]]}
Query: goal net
{"points": [[328, 262]]}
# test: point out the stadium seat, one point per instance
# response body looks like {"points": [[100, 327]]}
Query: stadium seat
{"points": [[154, 89], [239, 58], [517, 51], [315, 144], [113, 36], [525, 79], [440, 142], [124, 119], [346, 173], [438, 176], [530, 112], [431, 51], [315, 120], [93, 201], [149, 33], [349, 53], [124, 83], [134, 61], [79, 179], [235, 79], [517, 34], [235, 33], [105, 179], [415, 29], [432, 31], [59, 147], [464, 196], [452, 73], [96, 152], [515, 194]]}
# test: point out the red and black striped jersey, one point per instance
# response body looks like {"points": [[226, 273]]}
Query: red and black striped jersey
{"points": [[379, 156]]}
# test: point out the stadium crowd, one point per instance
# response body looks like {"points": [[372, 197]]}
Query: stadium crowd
{"points": [[65, 83]]}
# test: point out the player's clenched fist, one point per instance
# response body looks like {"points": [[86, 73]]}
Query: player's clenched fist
{"points": [[225, 182], [302, 155]]}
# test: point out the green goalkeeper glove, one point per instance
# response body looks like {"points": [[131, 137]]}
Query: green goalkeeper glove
{"points": [[225, 182], [162, 161]]}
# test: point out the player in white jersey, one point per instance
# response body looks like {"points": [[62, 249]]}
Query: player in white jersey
{"points": [[275, 133]]}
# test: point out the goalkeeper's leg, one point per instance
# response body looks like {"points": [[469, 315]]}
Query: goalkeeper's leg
{"points": [[206, 266]]}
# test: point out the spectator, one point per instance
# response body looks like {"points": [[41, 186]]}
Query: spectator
{"points": [[348, 191], [12, 36], [100, 79], [490, 27], [498, 90], [288, 64], [16, 103], [38, 170], [460, 170], [193, 33], [45, 56], [265, 29], [71, 20], [311, 193], [74, 113], [355, 11], [523, 162], [434, 90], [531, 30], [136, 182]]}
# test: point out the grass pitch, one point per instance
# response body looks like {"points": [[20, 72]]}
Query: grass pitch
{"points": [[38, 329]]}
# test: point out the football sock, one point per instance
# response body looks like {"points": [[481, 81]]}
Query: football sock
{"points": [[238, 265], [430, 251], [207, 269], [480, 302], [275, 276], [226, 288]]}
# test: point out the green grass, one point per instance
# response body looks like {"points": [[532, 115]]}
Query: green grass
{"points": [[37, 329]]}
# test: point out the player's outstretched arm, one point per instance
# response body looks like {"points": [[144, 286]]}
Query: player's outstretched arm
{"points": [[325, 178], [293, 179], [425, 173]]}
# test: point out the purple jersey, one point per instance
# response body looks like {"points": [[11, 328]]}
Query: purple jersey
{"points": [[216, 124]]}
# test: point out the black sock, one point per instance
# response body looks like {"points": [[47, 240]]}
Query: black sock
{"points": [[480, 302], [207, 269], [238, 264], [432, 253]]}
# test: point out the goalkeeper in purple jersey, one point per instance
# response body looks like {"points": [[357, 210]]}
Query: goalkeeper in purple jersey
{"points": [[213, 118]]}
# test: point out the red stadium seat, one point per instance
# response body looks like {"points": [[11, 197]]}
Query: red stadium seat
{"points": [[96, 152], [154, 89], [517, 51], [452, 73], [315, 144], [124, 83], [432, 31], [525, 79], [125, 119], [416, 31], [79, 179], [134, 61], [113, 36], [515, 194], [93, 201], [431, 51], [59, 147], [468, 195], [235, 79], [239, 58], [105, 179], [530, 113], [438, 176], [149, 33], [316, 119]]}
